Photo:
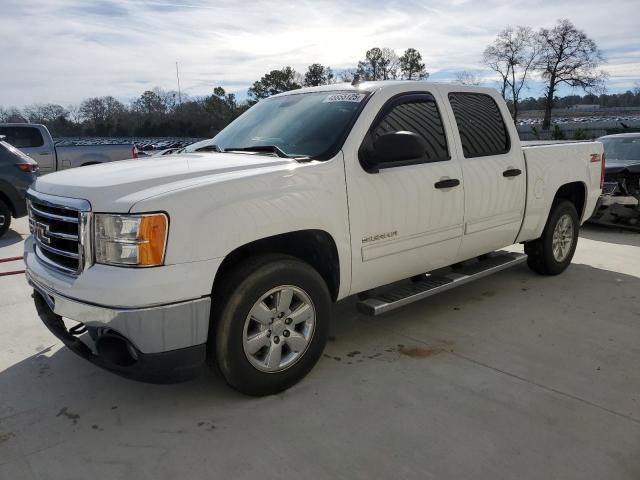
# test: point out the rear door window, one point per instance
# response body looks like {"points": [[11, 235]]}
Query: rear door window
{"points": [[22, 137], [480, 123]]}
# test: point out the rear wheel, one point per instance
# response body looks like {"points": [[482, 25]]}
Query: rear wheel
{"points": [[271, 324], [5, 218], [551, 254]]}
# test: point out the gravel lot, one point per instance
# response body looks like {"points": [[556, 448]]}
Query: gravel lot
{"points": [[515, 376]]}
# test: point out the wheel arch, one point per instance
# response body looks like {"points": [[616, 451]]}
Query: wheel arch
{"points": [[316, 247], [576, 193], [5, 198]]}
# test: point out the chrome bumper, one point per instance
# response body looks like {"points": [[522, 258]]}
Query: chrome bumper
{"points": [[151, 330]]}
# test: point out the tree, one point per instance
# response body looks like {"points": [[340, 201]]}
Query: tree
{"points": [[513, 55], [276, 81], [347, 75], [568, 56], [11, 115], [378, 64], [93, 110], [318, 74], [411, 65], [74, 113], [150, 103], [466, 78], [103, 114], [45, 113], [222, 108]]}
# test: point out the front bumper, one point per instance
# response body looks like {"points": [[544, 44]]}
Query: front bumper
{"points": [[167, 342]]}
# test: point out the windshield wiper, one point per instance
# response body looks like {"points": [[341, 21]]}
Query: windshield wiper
{"points": [[261, 148], [209, 148]]}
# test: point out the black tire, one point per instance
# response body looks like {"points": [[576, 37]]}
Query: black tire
{"points": [[241, 289], [541, 258], [5, 218]]}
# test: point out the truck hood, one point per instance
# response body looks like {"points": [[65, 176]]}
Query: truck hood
{"points": [[117, 186]]}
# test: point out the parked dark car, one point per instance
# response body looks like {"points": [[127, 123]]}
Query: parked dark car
{"points": [[17, 173], [619, 204]]}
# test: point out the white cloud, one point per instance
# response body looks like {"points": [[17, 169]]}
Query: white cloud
{"points": [[65, 50]]}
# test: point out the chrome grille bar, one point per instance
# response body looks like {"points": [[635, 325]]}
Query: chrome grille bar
{"points": [[61, 228], [62, 253], [53, 216]]}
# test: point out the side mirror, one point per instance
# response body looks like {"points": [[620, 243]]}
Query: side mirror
{"points": [[393, 149]]}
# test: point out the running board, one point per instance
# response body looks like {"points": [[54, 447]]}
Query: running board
{"points": [[432, 284]]}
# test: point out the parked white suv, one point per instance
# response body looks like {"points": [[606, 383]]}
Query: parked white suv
{"points": [[235, 253]]}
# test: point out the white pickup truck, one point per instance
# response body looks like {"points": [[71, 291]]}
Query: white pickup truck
{"points": [[35, 141], [234, 253]]}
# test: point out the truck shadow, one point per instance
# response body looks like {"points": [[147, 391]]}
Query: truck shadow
{"points": [[606, 234], [10, 238], [58, 388]]}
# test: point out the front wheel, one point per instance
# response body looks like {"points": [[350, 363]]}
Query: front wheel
{"points": [[551, 254], [5, 218], [271, 324]]}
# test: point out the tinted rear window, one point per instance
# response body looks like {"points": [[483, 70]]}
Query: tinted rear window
{"points": [[22, 137], [481, 126]]}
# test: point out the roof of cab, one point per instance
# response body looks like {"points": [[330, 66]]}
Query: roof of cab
{"points": [[379, 85]]}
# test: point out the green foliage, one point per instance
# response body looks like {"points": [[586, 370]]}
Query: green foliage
{"points": [[276, 81], [558, 133], [535, 131], [318, 74], [378, 64], [581, 134], [411, 65]]}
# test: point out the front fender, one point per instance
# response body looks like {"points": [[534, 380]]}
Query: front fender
{"points": [[213, 218]]}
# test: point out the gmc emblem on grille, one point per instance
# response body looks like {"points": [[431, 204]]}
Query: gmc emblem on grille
{"points": [[41, 232]]}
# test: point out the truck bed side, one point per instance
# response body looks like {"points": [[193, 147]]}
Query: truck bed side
{"points": [[549, 167], [79, 155]]}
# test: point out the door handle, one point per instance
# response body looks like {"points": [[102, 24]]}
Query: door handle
{"points": [[512, 172], [44, 153], [448, 183]]}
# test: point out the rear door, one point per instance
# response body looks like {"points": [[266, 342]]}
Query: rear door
{"points": [[493, 169], [30, 140], [404, 219]]}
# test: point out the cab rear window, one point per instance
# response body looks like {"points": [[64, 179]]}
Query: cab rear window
{"points": [[22, 137], [480, 123]]}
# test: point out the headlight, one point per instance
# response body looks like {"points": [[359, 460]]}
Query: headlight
{"points": [[131, 240]]}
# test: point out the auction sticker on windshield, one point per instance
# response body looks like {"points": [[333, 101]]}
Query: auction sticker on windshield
{"points": [[344, 97]]}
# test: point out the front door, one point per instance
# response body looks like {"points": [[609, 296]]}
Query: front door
{"points": [[405, 219]]}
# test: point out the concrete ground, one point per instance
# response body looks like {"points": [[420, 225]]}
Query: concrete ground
{"points": [[515, 376]]}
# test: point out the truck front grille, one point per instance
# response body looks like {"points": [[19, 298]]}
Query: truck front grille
{"points": [[61, 229]]}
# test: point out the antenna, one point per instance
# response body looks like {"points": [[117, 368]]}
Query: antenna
{"points": [[179, 92]]}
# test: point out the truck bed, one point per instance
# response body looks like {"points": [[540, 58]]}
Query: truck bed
{"points": [[551, 165]]}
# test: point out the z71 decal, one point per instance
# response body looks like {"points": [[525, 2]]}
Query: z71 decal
{"points": [[595, 157]]}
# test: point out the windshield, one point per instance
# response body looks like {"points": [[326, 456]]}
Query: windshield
{"points": [[622, 148], [299, 125]]}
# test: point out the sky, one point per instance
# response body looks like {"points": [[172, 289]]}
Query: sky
{"points": [[62, 51]]}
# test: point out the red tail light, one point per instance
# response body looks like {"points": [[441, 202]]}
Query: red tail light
{"points": [[134, 152], [602, 171], [28, 167]]}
